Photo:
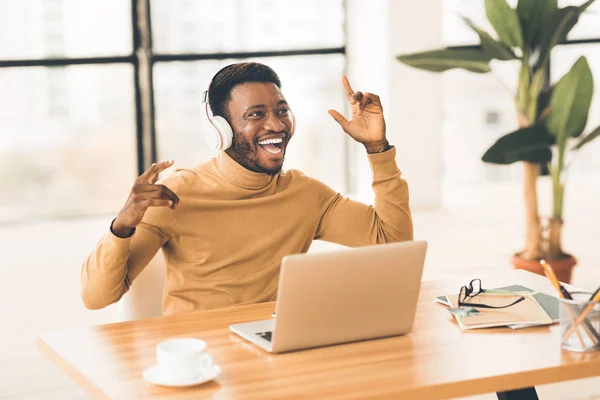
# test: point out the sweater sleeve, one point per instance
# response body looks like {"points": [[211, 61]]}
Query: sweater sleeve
{"points": [[111, 267], [351, 223]]}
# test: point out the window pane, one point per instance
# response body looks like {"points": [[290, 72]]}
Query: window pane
{"points": [[208, 26], [588, 26], [311, 84], [454, 30], [64, 28], [563, 58], [68, 141]]}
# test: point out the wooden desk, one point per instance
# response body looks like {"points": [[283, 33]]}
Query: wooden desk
{"points": [[436, 360]]}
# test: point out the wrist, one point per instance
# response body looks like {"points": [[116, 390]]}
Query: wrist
{"points": [[121, 231], [377, 147]]}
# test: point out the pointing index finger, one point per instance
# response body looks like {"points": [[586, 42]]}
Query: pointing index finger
{"points": [[348, 90], [151, 174]]}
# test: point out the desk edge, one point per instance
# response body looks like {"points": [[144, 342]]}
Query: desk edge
{"points": [[69, 370]]}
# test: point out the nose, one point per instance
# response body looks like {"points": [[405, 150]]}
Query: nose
{"points": [[274, 124]]}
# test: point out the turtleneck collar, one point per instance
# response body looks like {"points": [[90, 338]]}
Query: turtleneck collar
{"points": [[240, 176]]}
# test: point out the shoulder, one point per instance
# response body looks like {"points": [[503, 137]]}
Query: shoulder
{"points": [[183, 177], [293, 174], [317, 187], [295, 177]]}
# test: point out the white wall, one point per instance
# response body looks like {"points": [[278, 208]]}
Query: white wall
{"points": [[377, 31]]}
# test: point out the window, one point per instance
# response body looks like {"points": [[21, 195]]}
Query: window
{"points": [[211, 26], [67, 145], [80, 119], [64, 28]]}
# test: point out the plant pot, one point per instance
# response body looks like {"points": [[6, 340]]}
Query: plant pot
{"points": [[562, 267]]}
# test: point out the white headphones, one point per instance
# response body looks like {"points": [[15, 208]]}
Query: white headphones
{"points": [[217, 131]]}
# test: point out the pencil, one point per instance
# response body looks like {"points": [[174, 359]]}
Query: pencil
{"points": [[549, 272], [564, 293]]}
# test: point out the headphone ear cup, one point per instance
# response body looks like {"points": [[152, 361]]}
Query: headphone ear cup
{"points": [[224, 132], [212, 137]]}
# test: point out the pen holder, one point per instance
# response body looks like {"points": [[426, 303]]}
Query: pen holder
{"points": [[580, 323]]}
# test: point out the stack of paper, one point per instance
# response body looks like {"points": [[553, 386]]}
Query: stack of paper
{"points": [[527, 312]]}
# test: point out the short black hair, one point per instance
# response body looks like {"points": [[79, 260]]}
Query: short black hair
{"points": [[219, 91]]}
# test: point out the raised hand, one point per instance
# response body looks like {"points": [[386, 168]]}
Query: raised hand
{"points": [[367, 125], [145, 193]]}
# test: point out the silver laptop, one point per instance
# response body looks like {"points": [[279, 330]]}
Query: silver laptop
{"points": [[342, 296]]}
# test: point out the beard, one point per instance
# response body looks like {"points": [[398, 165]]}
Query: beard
{"points": [[246, 154]]}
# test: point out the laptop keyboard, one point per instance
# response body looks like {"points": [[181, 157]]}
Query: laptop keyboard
{"points": [[265, 335]]}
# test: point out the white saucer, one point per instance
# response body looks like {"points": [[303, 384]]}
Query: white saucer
{"points": [[153, 375]]}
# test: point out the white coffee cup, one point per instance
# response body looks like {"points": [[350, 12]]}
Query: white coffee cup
{"points": [[182, 359]]}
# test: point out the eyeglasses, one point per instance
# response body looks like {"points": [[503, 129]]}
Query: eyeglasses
{"points": [[473, 289]]}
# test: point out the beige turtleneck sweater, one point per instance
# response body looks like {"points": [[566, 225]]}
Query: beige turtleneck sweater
{"points": [[224, 243]]}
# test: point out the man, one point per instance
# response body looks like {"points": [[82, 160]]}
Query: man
{"points": [[225, 224]]}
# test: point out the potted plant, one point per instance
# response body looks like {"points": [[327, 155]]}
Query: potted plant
{"points": [[552, 117]]}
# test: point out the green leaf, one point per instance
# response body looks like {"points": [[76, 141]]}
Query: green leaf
{"points": [[534, 15], [526, 144], [556, 31], [595, 133], [505, 21], [570, 102], [585, 5], [473, 60], [491, 46], [538, 156]]}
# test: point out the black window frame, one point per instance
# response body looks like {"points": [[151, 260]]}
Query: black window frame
{"points": [[143, 59]]}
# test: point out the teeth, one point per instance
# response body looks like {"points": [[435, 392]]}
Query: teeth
{"points": [[271, 141]]}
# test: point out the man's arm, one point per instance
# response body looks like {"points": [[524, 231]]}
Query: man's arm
{"points": [[352, 223], [138, 232], [111, 267]]}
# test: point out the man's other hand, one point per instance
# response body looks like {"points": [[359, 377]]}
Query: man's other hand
{"points": [[367, 125], [145, 193]]}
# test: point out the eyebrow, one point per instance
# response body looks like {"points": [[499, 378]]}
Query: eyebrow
{"points": [[262, 106]]}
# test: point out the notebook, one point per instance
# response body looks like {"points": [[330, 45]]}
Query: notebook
{"points": [[536, 309], [549, 303]]}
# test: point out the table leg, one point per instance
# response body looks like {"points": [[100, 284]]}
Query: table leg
{"points": [[519, 394]]}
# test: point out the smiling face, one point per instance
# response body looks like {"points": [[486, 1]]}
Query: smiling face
{"points": [[262, 126]]}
